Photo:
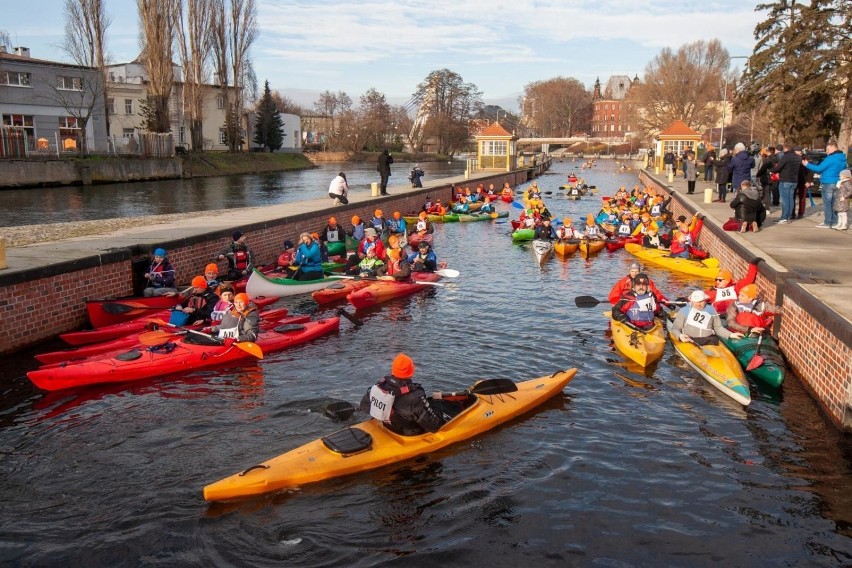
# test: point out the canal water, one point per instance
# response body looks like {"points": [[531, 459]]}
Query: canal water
{"points": [[35, 206], [628, 467]]}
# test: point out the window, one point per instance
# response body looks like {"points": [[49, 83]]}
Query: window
{"points": [[223, 139], [22, 122], [494, 148], [68, 132], [69, 83], [110, 106], [128, 106], [220, 101], [127, 132], [15, 79], [181, 135]]}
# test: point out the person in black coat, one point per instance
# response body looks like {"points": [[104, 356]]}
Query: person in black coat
{"points": [[723, 174], [747, 204], [383, 165]]}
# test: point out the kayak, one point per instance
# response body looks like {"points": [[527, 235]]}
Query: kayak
{"points": [[383, 290], [481, 217], [589, 247], [109, 311], [174, 357], [415, 238], [565, 248], [375, 446], [707, 268], [542, 249], [616, 243], [507, 198], [339, 290], [573, 197], [521, 235], [450, 218], [643, 347], [772, 371], [717, 365], [260, 284], [106, 333], [336, 249]]}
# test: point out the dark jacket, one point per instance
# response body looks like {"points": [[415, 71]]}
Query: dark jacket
{"points": [[740, 166], [787, 167], [746, 205], [763, 172], [383, 163], [723, 174], [412, 414]]}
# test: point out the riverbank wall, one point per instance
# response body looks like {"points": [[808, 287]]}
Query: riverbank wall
{"points": [[44, 290], [815, 338]]}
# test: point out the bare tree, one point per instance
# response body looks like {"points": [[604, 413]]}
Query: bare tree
{"points": [[285, 104], [557, 107], [374, 114], [446, 104], [158, 20], [86, 23], [243, 31], [332, 105], [194, 41]]}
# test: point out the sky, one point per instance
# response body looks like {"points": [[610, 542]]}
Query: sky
{"points": [[309, 46]]}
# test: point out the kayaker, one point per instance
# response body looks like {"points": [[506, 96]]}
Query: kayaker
{"points": [[625, 285], [397, 225], [567, 231], [378, 222], [332, 233], [160, 276], [240, 323], [400, 404], [487, 206], [749, 314], [239, 257], [224, 305], [591, 230], [423, 226], [725, 291], [286, 257], [436, 208], [507, 190], [462, 207], [545, 232], [652, 239], [198, 302], [370, 264], [396, 268], [308, 259], [624, 228], [640, 305], [323, 249], [370, 240], [424, 260], [358, 228], [211, 273], [697, 322]]}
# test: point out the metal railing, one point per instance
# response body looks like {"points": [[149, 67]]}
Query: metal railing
{"points": [[16, 143]]}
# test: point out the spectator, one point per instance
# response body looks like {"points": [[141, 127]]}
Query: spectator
{"points": [[747, 205], [668, 161], [338, 189], [829, 170], [787, 169], [709, 159], [723, 174], [383, 165], [740, 166], [690, 171]]}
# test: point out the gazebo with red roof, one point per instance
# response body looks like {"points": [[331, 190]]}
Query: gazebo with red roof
{"points": [[678, 138], [496, 149]]}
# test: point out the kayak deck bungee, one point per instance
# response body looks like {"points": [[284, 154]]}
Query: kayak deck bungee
{"points": [[260, 284], [383, 290], [171, 357], [339, 290], [772, 371], [707, 268], [642, 346], [716, 364], [376, 446]]}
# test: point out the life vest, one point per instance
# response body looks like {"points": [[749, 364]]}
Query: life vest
{"points": [[656, 210], [333, 235], [653, 240], [370, 263], [381, 402], [565, 232], [196, 302], [285, 258], [749, 315], [393, 266], [574, 191], [358, 231], [421, 225], [393, 225], [624, 230], [378, 224], [240, 259], [591, 231], [727, 293], [643, 308], [427, 206]]}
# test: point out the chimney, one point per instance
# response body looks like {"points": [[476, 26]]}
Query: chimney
{"points": [[22, 51]]}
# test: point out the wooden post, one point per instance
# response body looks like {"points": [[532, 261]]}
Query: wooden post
{"points": [[3, 253]]}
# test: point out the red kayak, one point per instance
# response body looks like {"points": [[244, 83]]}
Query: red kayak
{"points": [[122, 329], [110, 311], [339, 290], [507, 198], [619, 242], [177, 357], [384, 290], [415, 238], [269, 319]]}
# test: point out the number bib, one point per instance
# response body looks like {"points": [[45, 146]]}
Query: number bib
{"points": [[624, 230], [728, 293], [643, 308], [381, 403], [333, 236], [699, 319], [421, 225], [229, 333]]}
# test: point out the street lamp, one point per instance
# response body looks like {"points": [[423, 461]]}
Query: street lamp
{"points": [[725, 98]]}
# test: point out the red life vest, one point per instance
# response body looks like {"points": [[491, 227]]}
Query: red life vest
{"points": [[749, 316], [240, 259]]}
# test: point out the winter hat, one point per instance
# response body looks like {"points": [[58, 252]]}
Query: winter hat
{"points": [[377, 213], [288, 245], [199, 282], [698, 296], [845, 174], [237, 234], [332, 221], [402, 367], [635, 266], [242, 296], [739, 147], [211, 268], [726, 274], [356, 219], [749, 291], [162, 252]]}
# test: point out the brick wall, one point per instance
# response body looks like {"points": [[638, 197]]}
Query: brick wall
{"points": [[815, 340]]}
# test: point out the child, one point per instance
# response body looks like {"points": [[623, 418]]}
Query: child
{"points": [[841, 200]]}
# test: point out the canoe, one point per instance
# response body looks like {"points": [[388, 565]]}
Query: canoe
{"points": [[183, 357], [384, 290], [542, 250], [106, 333], [260, 284], [717, 365], [521, 235], [378, 446], [565, 248], [339, 290], [109, 311], [272, 319], [772, 371], [589, 247], [643, 347], [707, 268]]}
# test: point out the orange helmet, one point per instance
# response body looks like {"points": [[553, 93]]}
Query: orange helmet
{"points": [[422, 215], [356, 219], [397, 215], [377, 213]]}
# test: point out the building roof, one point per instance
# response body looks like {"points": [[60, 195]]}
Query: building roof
{"points": [[12, 57], [679, 128], [495, 130]]}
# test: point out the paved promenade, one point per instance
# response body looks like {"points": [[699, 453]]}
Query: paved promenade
{"points": [[819, 257]]}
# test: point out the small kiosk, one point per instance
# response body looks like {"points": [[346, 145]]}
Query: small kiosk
{"points": [[496, 149], [678, 138]]}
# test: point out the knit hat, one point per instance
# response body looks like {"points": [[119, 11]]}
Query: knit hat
{"points": [[199, 282], [288, 245], [635, 266], [236, 235], [749, 291], [698, 296], [332, 221], [397, 215], [566, 221], [243, 297], [739, 147], [162, 252], [845, 174], [726, 274], [402, 367], [211, 268], [377, 213], [422, 245], [356, 219]]}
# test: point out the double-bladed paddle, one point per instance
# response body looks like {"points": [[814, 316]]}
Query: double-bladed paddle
{"points": [[248, 346], [757, 358]]}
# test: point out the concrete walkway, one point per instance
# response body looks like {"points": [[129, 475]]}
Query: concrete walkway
{"points": [[819, 258]]}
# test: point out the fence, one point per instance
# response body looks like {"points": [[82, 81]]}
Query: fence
{"points": [[15, 143]]}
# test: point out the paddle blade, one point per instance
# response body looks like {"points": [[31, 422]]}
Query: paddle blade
{"points": [[355, 321], [152, 338], [114, 308], [518, 205], [252, 349], [339, 410], [493, 386], [586, 301], [755, 362], [448, 273]]}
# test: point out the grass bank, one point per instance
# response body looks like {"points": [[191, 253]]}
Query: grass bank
{"points": [[222, 164]]}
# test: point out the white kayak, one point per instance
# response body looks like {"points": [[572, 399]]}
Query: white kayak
{"points": [[260, 284], [542, 250]]}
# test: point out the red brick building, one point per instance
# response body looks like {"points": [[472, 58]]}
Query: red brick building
{"points": [[612, 107]]}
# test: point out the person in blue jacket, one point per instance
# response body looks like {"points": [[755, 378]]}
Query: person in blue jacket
{"points": [[424, 260], [829, 175], [740, 166], [308, 259]]}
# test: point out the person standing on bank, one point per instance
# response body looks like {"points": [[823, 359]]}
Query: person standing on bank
{"points": [[829, 174], [723, 174], [787, 169], [740, 165], [339, 189], [383, 165], [691, 171]]}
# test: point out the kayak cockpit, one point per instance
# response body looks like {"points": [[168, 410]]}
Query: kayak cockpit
{"points": [[348, 442]]}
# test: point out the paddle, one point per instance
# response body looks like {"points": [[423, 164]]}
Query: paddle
{"points": [[591, 302], [117, 308], [447, 272], [156, 337], [757, 358], [439, 284], [355, 321], [247, 346]]}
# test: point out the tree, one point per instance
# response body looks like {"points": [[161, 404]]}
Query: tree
{"points": [[158, 20], [194, 40], [86, 23], [242, 26], [685, 85], [332, 105], [374, 115], [285, 104], [446, 104], [556, 107], [268, 124]]}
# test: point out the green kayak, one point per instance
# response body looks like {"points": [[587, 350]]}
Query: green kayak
{"points": [[772, 370], [521, 235], [336, 249], [481, 216]]}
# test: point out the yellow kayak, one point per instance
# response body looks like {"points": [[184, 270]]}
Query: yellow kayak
{"points": [[707, 268], [718, 365], [564, 248], [643, 347], [368, 445], [589, 247]]}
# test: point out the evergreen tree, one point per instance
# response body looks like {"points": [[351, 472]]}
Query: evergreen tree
{"points": [[268, 125]]}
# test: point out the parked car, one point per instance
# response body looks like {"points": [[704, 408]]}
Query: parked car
{"points": [[815, 157]]}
